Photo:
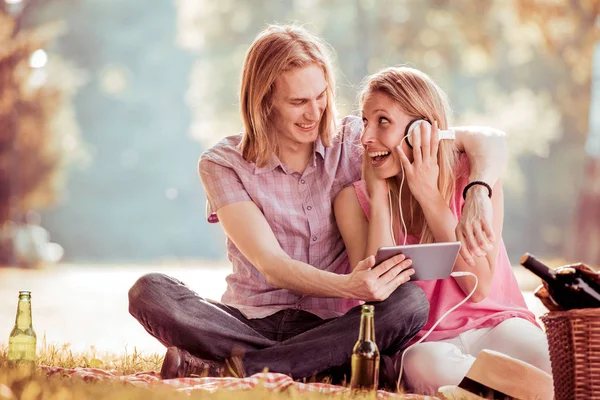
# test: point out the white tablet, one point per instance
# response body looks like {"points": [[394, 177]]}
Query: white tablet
{"points": [[430, 261]]}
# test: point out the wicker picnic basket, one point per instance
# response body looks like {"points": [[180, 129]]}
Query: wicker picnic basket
{"points": [[574, 342]]}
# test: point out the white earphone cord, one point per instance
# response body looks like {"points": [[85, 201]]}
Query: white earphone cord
{"points": [[463, 301], [399, 206], [453, 274]]}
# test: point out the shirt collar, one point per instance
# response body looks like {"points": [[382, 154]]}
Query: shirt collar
{"points": [[275, 162], [319, 147]]}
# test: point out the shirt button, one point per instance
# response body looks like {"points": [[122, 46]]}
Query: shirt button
{"points": [[314, 238], [302, 181], [309, 208], [299, 306]]}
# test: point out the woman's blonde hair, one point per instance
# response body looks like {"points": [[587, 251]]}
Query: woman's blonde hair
{"points": [[420, 98], [278, 49]]}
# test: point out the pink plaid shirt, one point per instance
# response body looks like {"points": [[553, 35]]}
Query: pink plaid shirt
{"points": [[299, 209]]}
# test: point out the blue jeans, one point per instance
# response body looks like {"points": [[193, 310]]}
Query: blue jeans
{"points": [[292, 342]]}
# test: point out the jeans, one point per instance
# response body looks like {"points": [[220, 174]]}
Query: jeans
{"points": [[292, 342]]}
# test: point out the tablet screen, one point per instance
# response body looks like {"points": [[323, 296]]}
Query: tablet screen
{"points": [[430, 261]]}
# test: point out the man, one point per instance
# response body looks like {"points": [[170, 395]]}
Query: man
{"points": [[292, 300]]}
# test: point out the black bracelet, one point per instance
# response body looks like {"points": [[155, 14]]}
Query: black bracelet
{"points": [[482, 183]]}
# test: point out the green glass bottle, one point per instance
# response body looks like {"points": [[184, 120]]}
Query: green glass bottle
{"points": [[22, 340], [365, 354]]}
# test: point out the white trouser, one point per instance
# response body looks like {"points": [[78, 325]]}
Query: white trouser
{"points": [[429, 365]]}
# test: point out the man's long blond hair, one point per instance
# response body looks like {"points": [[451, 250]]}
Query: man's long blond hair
{"points": [[278, 49], [419, 97]]}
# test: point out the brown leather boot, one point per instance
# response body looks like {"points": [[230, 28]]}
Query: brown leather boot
{"points": [[388, 374], [179, 363]]}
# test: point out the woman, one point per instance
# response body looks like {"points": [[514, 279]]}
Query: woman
{"points": [[417, 195]]}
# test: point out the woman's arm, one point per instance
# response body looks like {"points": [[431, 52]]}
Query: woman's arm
{"points": [[487, 151], [422, 177], [362, 237], [378, 233], [354, 227], [442, 223], [352, 223]]}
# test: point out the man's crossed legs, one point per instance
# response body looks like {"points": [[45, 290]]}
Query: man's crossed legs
{"points": [[292, 342]]}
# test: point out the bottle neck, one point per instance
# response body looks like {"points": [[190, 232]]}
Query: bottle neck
{"points": [[367, 328], [23, 320], [538, 268]]}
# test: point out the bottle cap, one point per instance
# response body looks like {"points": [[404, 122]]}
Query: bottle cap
{"points": [[368, 309], [524, 258]]}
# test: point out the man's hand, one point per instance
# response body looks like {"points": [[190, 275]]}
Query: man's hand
{"points": [[370, 283], [474, 229]]}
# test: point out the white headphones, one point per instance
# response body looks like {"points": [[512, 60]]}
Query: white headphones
{"points": [[414, 124]]}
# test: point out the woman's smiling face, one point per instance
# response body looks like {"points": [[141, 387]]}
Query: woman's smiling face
{"points": [[384, 126]]}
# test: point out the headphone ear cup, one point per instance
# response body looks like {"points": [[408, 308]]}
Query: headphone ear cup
{"points": [[412, 126]]}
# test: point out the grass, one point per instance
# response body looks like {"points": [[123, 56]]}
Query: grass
{"points": [[34, 384], [120, 364]]}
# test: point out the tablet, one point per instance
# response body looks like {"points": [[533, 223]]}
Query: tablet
{"points": [[430, 261]]}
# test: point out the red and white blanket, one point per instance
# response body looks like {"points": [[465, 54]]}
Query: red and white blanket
{"points": [[271, 381]]}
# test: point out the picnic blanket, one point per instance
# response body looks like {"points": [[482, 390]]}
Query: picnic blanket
{"points": [[271, 381]]}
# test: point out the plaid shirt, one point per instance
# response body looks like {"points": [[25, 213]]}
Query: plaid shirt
{"points": [[299, 209]]}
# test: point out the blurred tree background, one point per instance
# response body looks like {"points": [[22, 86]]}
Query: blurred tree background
{"points": [[39, 135], [162, 85]]}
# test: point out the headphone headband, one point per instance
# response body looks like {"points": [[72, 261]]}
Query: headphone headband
{"points": [[414, 124]]}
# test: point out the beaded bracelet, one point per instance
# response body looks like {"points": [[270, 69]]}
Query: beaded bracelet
{"points": [[482, 183]]}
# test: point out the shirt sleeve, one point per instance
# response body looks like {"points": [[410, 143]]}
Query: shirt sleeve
{"points": [[351, 132], [222, 185]]}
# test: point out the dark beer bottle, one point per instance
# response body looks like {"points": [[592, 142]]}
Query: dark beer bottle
{"points": [[567, 286], [365, 354], [22, 340]]}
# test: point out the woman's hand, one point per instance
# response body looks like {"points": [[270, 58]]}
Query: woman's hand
{"points": [[474, 229], [422, 174], [376, 187]]}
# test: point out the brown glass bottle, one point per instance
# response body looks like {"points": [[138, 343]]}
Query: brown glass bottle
{"points": [[365, 354], [22, 339], [568, 287]]}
